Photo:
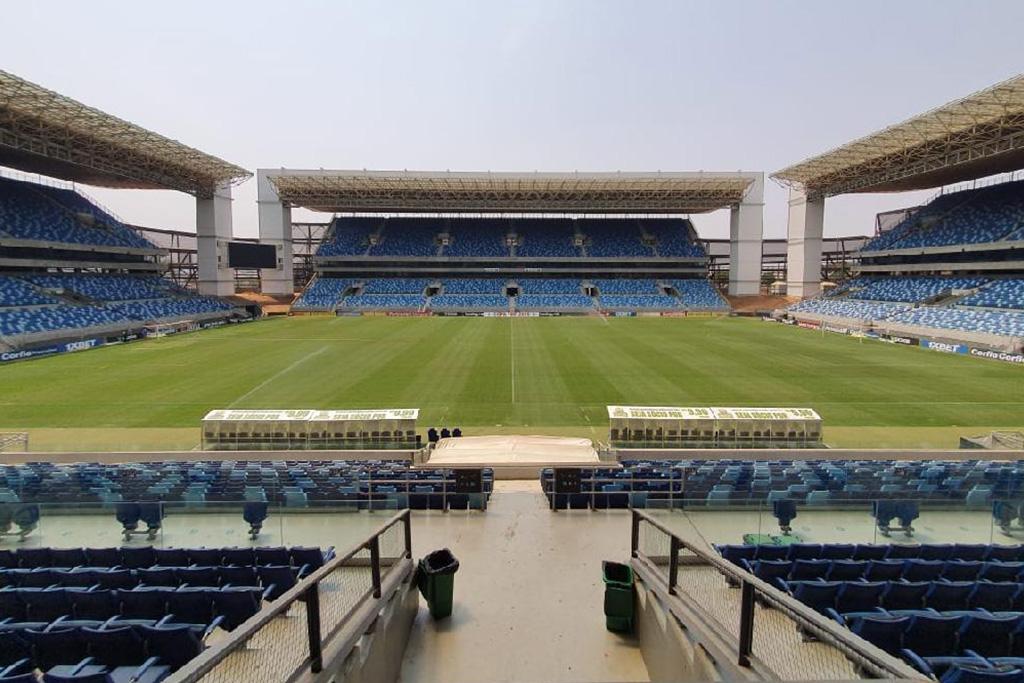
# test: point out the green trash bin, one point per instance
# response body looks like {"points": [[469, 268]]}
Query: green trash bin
{"points": [[435, 577], [618, 596]]}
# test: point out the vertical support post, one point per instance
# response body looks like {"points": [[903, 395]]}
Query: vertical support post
{"points": [[746, 645], [275, 228], [804, 233], [312, 600], [673, 563], [746, 233], [375, 564], [407, 522], [213, 227], [634, 536]]}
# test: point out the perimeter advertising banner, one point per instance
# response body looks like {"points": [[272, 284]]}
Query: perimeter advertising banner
{"points": [[68, 347], [998, 355], [943, 346], [809, 324]]}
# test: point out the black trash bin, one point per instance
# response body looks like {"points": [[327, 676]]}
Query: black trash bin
{"points": [[436, 581]]}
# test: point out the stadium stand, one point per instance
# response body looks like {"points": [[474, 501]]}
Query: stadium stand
{"points": [[912, 289], [46, 214], [407, 237], [389, 293], [354, 484], [16, 292], [632, 294], [1002, 323], [843, 308], [324, 293], [967, 217], [700, 294], [660, 483], [552, 294], [672, 238], [476, 294], [613, 238], [937, 606], [998, 294], [478, 237], [548, 238], [349, 236]]}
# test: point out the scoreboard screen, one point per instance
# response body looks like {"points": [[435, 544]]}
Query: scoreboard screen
{"points": [[251, 255]]}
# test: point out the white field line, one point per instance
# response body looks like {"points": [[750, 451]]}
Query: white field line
{"points": [[512, 354], [276, 375]]}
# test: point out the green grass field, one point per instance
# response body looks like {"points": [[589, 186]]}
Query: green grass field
{"points": [[493, 375]]}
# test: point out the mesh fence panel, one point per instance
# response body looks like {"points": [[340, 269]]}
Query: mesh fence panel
{"points": [[342, 590]]}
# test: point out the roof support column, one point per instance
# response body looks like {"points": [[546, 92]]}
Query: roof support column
{"points": [[746, 230], [803, 248], [213, 226], [276, 229]]}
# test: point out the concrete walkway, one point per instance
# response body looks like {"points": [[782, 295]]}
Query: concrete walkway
{"points": [[528, 595]]}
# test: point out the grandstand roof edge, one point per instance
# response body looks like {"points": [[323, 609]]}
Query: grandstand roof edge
{"points": [[975, 136], [512, 192], [42, 131]]}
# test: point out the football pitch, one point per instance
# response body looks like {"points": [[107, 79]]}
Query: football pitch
{"points": [[502, 375]]}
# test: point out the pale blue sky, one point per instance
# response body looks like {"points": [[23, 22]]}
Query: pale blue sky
{"points": [[532, 85]]}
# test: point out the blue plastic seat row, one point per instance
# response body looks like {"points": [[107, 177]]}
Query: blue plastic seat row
{"points": [[138, 557], [870, 551], [226, 606], [858, 596], [885, 570]]}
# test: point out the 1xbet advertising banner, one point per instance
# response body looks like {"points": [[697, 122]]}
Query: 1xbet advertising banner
{"points": [[943, 346]]}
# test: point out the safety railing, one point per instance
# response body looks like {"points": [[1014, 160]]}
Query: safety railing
{"points": [[659, 554], [322, 617]]}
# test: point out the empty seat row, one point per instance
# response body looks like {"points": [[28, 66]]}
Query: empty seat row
{"points": [[226, 606], [139, 557], [871, 551], [884, 570], [858, 596], [217, 575]]}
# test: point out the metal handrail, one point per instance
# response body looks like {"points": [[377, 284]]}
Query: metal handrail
{"points": [[873, 660], [306, 591]]}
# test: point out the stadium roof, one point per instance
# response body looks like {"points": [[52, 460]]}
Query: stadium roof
{"points": [[47, 133], [977, 136], [485, 192]]}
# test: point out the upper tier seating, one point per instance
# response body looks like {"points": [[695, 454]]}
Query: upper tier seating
{"points": [[699, 293], [36, 212], [613, 238], [672, 238], [487, 237], [998, 294], [17, 292], [552, 237], [408, 237], [480, 237], [848, 308], [912, 289], [966, 217], [324, 293]]}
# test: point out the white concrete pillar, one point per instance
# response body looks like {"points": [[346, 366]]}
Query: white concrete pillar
{"points": [[213, 225], [746, 231], [276, 229], [803, 248]]}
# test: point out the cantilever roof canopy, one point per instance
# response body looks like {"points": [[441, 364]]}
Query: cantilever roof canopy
{"points": [[44, 132], [447, 192], [977, 136]]}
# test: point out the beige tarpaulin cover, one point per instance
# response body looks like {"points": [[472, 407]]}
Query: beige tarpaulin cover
{"points": [[513, 450]]}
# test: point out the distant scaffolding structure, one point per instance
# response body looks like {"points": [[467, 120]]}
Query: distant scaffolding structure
{"points": [[681, 427], [244, 430]]}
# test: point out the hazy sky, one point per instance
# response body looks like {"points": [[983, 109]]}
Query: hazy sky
{"points": [[552, 85]]}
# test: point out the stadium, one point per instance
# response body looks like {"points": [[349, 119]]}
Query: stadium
{"points": [[511, 426]]}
